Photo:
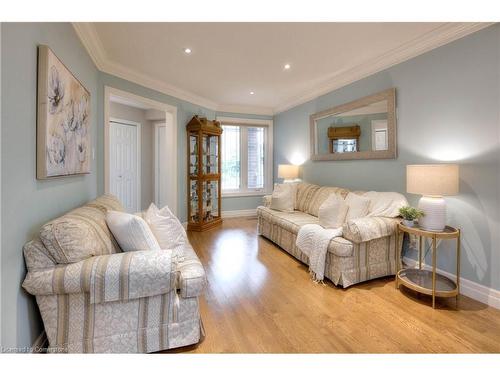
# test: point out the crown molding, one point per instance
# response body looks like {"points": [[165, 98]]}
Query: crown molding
{"points": [[248, 109], [92, 43], [438, 37]]}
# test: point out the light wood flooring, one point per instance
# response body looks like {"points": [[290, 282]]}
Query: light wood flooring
{"points": [[259, 299]]}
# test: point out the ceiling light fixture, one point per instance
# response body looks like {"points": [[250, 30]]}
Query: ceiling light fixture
{"points": [[287, 66], [187, 50], [251, 93]]}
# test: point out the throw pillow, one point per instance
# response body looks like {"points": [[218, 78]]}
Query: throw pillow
{"points": [[283, 197], [131, 232], [358, 206], [167, 229], [332, 212]]}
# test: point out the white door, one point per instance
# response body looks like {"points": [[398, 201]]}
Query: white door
{"points": [[379, 135], [161, 178], [124, 164]]}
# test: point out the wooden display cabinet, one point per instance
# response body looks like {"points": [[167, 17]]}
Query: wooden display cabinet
{"points": [[204, 173], [344, 138]]}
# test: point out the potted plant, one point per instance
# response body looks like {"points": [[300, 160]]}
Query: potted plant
{"points": [[410, 214]]}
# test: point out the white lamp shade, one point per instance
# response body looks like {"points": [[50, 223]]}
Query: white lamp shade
{"points": [[432, 179], [288, 171]]}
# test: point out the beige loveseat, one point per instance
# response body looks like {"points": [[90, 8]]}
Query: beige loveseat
{"points": [[95, 298], [366, 251]]}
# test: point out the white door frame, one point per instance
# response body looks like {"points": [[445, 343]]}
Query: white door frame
{"points": [[171, 131], [157, 164], [138, 125]]}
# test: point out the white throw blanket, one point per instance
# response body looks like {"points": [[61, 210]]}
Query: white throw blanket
{"points": [[313, 240]]}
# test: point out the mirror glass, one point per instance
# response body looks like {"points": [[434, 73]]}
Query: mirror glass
{"points": [[363, 129]]}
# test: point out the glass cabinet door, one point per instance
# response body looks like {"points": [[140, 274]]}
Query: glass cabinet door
{"points": [[210, 200], [194, 215], [193, 154], [210, 154]]}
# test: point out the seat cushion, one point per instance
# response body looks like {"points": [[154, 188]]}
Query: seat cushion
{"points": [[291, 221], [81, 233]]}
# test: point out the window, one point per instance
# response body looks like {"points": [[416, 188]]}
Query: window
{"points": [[246, 156]]}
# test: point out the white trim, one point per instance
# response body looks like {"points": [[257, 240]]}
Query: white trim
{"points": [[243, 193], [239, 213], [438, 37], [468, 288], [173, 203], [90, 39], [268, 178], [435, 38], [156, 191], [245, 109], [244, 121], [138, 128]]}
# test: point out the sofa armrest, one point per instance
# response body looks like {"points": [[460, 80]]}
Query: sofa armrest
{"points": [[369, 228], [191, 274], [266, 200], [107, 278]]}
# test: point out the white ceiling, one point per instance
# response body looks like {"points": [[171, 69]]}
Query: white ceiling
{"points": [[231, 59]]}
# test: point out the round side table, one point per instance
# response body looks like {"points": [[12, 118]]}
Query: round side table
{"points": [[428, 281]]}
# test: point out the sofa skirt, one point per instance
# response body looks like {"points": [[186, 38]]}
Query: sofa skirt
{"points": [[143, 325]]}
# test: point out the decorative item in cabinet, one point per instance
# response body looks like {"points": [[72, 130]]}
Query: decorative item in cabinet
{"points": [[204, 179]]}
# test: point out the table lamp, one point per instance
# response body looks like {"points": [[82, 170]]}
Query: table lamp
{"points": [[433, 181], [288, 172]]}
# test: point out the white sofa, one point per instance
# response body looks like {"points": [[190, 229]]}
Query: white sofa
{"points": [[366, 251], [95, 298]]}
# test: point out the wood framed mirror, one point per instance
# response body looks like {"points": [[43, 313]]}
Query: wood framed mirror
{"points": [[361, 129]]}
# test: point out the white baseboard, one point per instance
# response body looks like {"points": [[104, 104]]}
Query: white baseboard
{"points": [[468, 288], [235, 213], [239, 213]]}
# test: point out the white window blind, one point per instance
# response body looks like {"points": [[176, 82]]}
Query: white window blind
{"points": [[245, 159], [230, 158]]}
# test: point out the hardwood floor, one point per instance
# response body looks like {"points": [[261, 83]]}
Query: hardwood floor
{"points": [[259, 299]]}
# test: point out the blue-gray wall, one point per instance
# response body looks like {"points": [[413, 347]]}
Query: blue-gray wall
{"points": [[26, 202], [448, 111]]}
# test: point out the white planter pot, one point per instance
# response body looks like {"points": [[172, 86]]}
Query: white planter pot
{"points": [[409, 223]]}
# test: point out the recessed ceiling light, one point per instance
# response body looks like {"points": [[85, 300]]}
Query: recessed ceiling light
{"points": [[287, 66], [251, 93], [187, 50]]}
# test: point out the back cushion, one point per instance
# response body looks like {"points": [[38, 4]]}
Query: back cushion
{"points": [[81, 233], [310, 197]]}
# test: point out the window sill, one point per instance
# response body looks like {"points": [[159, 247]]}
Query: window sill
{"points": [[244, 194]]}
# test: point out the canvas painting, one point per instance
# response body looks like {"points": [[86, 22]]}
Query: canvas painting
{"points": [[63, 120]]}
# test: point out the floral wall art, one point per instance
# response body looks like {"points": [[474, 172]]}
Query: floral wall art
{"points": [[63, 120]]}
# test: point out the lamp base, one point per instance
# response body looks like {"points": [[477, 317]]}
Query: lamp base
{"points": [[434, 218]]}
